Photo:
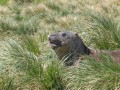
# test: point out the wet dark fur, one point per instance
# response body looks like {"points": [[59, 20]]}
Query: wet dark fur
{"points": [[69, 46], [73, 43]]}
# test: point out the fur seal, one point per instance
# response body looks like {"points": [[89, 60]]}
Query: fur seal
{"points": [[69, 46]]}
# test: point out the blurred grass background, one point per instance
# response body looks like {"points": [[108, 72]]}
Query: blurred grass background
{"points": [[28, 63], [3, 2]]}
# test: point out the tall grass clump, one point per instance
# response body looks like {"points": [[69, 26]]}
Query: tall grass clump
{"points": [[16, 9], [34, 71], [53, 76], [106, 29], [21, 55], [7, 24], [32, 45], [18, 23], [7, 83], [26, 64], [94, 75], [29, 25], [23, 27]]}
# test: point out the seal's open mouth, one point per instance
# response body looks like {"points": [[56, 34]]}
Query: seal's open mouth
{"points": [[55, 43]]}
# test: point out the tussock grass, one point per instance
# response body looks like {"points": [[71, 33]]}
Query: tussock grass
{"points": [[32, 45], [28, 61], [7, 23], [23, 27], [7, 83], [94, 75], [34, 70], [106, 30]]}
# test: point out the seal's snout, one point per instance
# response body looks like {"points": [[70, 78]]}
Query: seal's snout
{"points": [[52, 37], [54, 42], [49, 38]]}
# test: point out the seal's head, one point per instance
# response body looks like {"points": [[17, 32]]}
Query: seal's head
{"points": [[60, 39], [67, 43]]}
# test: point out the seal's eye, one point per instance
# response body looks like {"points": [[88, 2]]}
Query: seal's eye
{"points": [[63, 34]]}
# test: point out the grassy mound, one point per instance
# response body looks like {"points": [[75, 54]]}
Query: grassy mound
{"points": [[28, 63]]}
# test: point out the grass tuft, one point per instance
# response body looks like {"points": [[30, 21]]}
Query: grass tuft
{"points": [[27, 56], [92, 75], [107, 32]]}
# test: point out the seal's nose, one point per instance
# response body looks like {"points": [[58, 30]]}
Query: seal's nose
{"points": [[48, 36], [51, 37]]}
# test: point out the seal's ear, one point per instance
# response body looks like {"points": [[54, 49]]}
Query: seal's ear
{"points": [[76, 34]]}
